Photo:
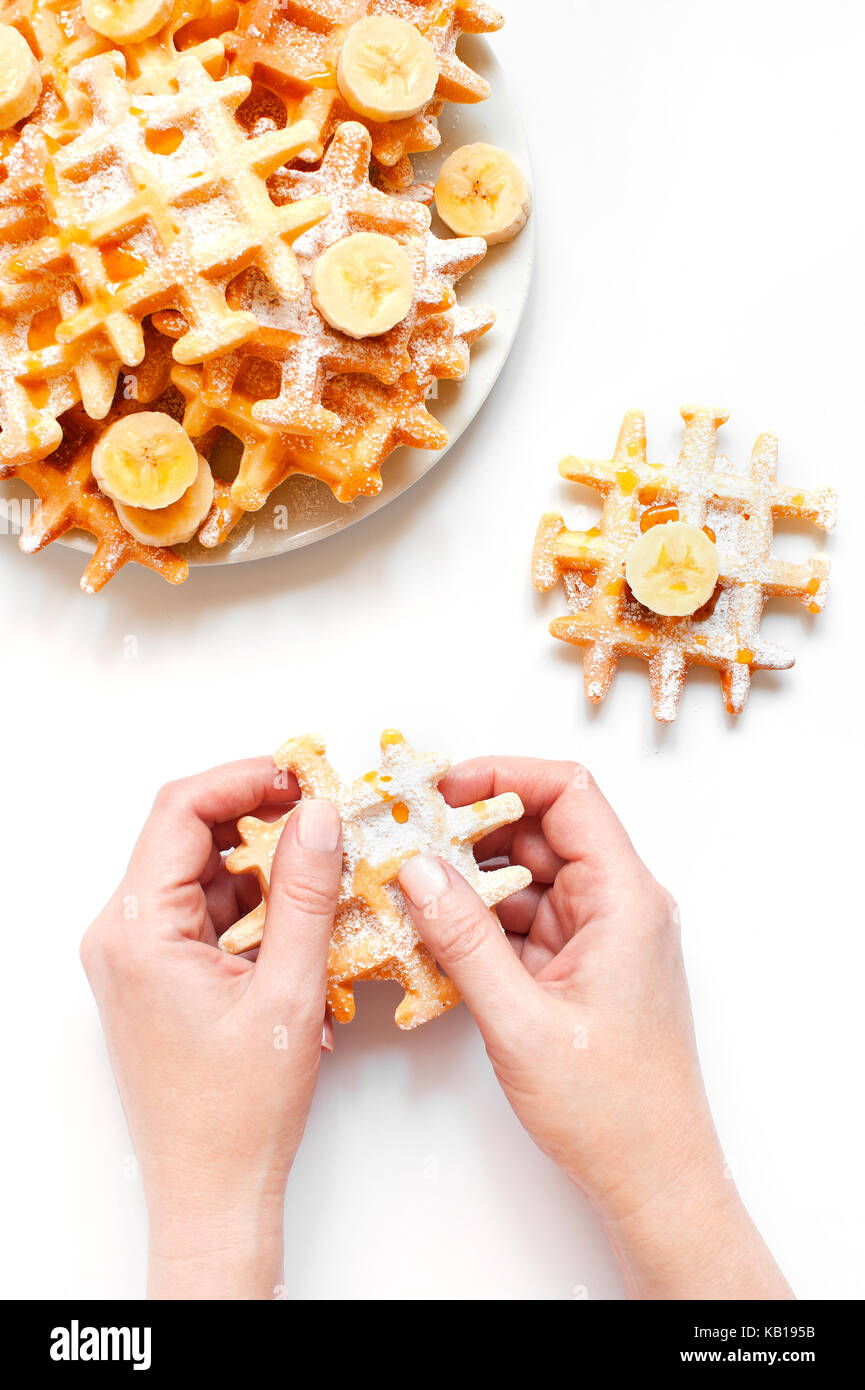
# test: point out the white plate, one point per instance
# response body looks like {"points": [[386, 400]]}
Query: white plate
{"points": [[501, 280]]}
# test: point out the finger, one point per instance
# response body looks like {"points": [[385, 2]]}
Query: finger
{"points": [[546, 937], [211, 868], [301, 903], [523, 842], [469, 945], [176, 843], [517, 913], [223, 904], [574, 815], [248, 893]]}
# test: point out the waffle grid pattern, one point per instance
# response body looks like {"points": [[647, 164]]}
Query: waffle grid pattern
{"points": [[738, 510]]}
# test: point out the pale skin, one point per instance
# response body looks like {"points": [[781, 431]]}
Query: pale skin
{"points": [[583, 1008]]}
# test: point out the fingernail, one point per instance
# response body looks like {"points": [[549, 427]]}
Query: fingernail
{"points": [[423, 879], [318, 825], [326, 1040]]}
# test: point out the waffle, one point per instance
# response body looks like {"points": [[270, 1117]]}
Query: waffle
{"points": [[737, 509], [376, 419], [290, 52], [388, 816], [70, 499], [160, 184], [37, 387], [61, 38], [175, 232], [293, 335], [40, 379]]}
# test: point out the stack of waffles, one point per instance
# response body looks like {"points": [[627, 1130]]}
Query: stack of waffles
{"points": [[172, 172]]}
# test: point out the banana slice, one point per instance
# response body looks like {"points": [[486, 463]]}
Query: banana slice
{"points": [[481, 192], [363, 285], [673, 569], [386, 68], [20, 78], [145, 460], [174, 524], [127, 21]]}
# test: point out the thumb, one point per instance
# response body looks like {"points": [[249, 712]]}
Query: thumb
{"points": [[469, 944], [304, 884]]}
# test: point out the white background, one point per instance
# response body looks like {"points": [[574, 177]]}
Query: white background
{"points": [[698, 175]]}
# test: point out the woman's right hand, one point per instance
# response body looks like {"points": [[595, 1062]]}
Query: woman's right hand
{"points": [[588, 1026]]}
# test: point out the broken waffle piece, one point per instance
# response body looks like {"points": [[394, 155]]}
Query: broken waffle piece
{"points": [[388, 816], [735, 513]]}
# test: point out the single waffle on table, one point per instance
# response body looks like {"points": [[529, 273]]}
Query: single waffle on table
{"points": [[738, 511], [291, 53], [388, 816]]}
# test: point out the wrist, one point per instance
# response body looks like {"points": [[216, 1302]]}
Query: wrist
{"points": [[216, 1240], [693, 1239]]}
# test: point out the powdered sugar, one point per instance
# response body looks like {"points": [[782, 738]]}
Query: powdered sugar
{"points": [[388, 816], [736, 509]]}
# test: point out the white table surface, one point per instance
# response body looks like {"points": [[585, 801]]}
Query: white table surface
{"points": [[700, 237]]}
